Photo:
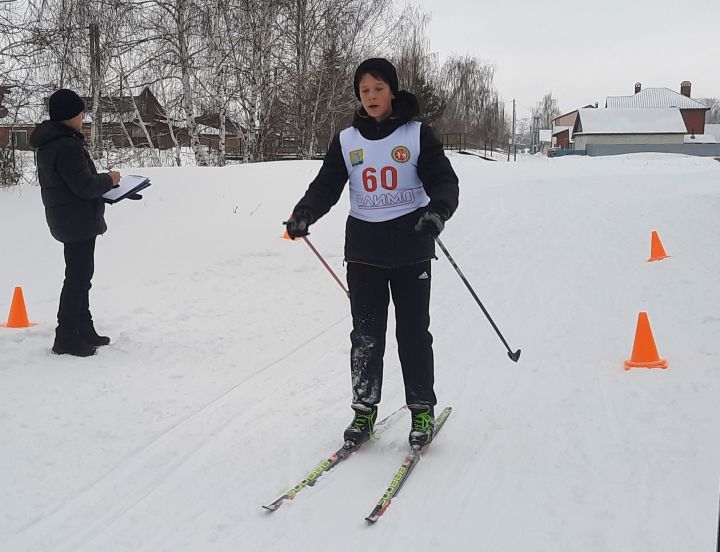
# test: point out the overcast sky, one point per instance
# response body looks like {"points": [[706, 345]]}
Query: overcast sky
{"points": [[583, 52]]}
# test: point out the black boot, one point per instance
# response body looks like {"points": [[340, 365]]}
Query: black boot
{"points": [[88, 334], [363, 424], [422, 425], [72, 346]]}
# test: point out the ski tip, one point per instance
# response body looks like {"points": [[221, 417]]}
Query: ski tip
{"points": [[271, 507], [371, 519]]}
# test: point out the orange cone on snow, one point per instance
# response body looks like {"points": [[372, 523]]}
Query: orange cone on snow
{"points": [[18, 317], [644, 353], [657, 251]]}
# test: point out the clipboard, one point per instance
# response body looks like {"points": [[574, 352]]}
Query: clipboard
{"points": [[129, 185]]}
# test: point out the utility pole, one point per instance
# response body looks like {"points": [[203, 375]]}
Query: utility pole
{"points": [[535, 134], [513, 142], [95, 70]]}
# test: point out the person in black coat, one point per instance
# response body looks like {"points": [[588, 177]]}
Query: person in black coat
{"points": [[402, 191], [72, 191]]}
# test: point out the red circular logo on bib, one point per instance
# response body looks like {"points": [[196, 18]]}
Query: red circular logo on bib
{"points": [[401, 154]]}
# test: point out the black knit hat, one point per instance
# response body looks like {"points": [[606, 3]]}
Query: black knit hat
{"points": [[65, 104], [378, 65]]}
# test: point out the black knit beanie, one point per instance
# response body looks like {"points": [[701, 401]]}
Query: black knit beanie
{"points": [[65, 104], [379, 65]]}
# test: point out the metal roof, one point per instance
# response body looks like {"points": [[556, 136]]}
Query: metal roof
{"points": [[653, 97], [630, 121]]}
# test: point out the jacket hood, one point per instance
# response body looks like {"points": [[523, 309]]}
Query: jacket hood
{"points": [[49, 131], [405, 107]]}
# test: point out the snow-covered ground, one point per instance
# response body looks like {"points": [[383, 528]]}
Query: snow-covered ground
{"points": [[228, 376]]}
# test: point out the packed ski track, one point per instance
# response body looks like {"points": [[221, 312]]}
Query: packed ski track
{"points": [[228, 378]]}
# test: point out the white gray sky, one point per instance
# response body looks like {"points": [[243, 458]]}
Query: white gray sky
{"points": [[583, 52]]}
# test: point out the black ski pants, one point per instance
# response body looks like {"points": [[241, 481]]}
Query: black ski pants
{"points": [[74, 311], [370, 288]]}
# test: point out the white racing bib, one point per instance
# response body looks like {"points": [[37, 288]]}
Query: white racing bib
{"points": [[384, 183]]}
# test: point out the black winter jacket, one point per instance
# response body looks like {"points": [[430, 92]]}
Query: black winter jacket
{"points": [[394, 242], [70, 186]]}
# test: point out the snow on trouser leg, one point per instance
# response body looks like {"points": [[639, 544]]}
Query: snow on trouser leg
{"points": [[366, 368], [369, 300]]}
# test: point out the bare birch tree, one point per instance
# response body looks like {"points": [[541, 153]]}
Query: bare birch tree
{"points": [[174, 29], [417, 66], [545, 111]]}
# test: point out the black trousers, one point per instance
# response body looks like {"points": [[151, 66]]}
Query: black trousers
{"points": [[74, 311], [370, 288]]}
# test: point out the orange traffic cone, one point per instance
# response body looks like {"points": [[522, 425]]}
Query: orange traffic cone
{"points": [[644, 353], [18, 317], [657, 251]]}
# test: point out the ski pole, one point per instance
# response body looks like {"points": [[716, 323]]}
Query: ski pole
{"points": [[718, 537], [514, 356], [330, 270]]}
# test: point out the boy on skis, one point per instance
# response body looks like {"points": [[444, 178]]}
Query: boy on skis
{"points": [[402, 190]]}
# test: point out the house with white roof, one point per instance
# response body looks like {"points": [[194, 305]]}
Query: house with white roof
{"points": [[692, 111], [628, 126], [634, 130]]}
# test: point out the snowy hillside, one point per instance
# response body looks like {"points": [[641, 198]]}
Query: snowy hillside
{"points": [[228, 378]]}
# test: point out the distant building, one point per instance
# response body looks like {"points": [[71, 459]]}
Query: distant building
{"points": [[544, 139], [562, 128], [209, 130], [561, 136], [639, 130], [692, 111], [13, 132], [647, 126], [16, 135], [123, 119]]}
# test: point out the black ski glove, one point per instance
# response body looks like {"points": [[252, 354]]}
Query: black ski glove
{"points": [[297, 224], [430, 222], [131, 196]]}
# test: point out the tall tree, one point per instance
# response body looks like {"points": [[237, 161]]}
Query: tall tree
{"points": [[545, 111], [415, 64], [712, 116], [174, 26], [473, 104]]}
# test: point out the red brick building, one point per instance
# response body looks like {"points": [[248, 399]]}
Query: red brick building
{"points": [[562, 128]]}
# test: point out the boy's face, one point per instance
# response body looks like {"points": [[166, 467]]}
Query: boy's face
{"points": [[376, 97]]}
